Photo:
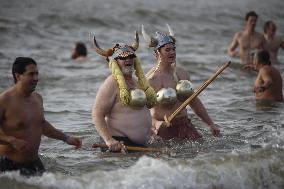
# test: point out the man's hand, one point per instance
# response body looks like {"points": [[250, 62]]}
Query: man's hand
{"points": [[19, 144], [214, 130], [114, 145], [233, 53], [249, 67], [74, 141], [258, 89]]}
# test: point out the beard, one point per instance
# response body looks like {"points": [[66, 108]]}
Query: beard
{"points": [[127, 70]]}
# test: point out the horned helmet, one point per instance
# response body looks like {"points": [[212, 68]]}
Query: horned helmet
{"points": [[160, 38], [119, 50]]}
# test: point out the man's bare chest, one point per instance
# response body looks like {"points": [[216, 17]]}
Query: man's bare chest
{"points": [[250, 41], [23, 115]]}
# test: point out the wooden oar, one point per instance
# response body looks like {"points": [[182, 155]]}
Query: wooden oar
{"points": [[134, 148], [195, 94]]}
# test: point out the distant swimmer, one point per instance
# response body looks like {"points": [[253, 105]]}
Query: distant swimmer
{"points": [[80, 52], [247, 40], [121, 112], [268, 84], [22, 122], [273, 42]]}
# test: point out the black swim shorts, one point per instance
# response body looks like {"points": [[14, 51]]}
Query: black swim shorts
{"points": [[33, 168]]}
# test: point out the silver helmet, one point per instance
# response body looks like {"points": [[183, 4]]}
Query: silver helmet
{"points": [[160, 38]]}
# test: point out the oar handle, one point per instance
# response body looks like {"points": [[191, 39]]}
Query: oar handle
{"points": [[133, 148], [195, 94]]}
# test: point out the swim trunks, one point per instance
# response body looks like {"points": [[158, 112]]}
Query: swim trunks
{"points": [[33, 168]]}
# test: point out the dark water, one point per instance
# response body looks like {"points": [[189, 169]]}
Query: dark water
{"points": [[250, 152]]}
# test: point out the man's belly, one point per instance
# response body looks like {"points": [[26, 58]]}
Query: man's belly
{"points": [[30, 154], [135, 125]]}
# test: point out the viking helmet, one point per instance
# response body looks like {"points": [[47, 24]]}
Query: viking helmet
{"points": [[160, 38], [119, 50]]}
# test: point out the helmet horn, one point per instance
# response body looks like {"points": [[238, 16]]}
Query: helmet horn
{"points": [[100, 51], [171, 32], [135, 45], [149, 40]]}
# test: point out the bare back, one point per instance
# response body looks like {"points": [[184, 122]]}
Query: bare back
{"points": [[21, 117], [274, 92], [121, 120]]}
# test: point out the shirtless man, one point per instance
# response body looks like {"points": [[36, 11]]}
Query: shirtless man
{"points": [[120, 113], [171, 82], [268, 84], [248, 40], [22, 122], [273, 42]]}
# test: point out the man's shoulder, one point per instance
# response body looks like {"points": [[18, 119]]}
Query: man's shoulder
{"points": [[270, 70], [151, 74], [181, 71], [37, 95], [110, 80], [154, 79], [109, 83], [239, 34], [260, 35], [275, 71], [6, 95]]}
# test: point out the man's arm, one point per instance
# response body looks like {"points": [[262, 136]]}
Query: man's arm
{"points": [[198, 107], [234, 44], [266, 79], [201, 112], [105, 100], [51, 132]]}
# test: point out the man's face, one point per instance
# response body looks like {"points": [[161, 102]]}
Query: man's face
{"points": [[29, 78], [168, 53], [126, 64], [251, 22], [271, 29]]}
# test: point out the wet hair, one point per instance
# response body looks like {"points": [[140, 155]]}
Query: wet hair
{"points": [[266, 25], [251, 13], [263, 57], [81, 49], [19, 65]]}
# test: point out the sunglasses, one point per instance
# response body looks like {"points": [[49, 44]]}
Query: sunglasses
{"points": [[132, 56]]}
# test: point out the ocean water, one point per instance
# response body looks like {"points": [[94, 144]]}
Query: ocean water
{"points": [[248, 154]]}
